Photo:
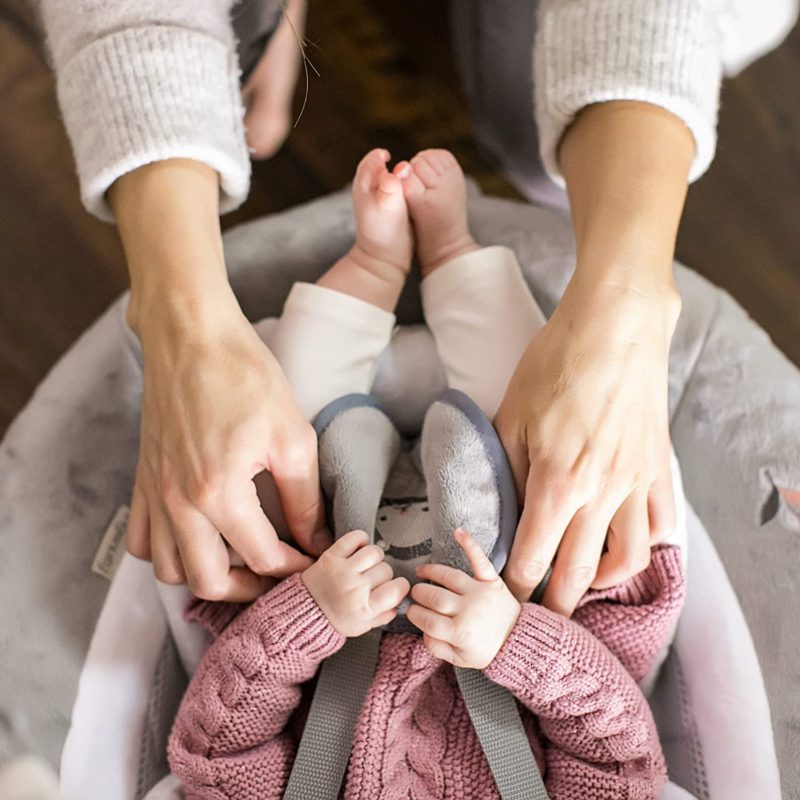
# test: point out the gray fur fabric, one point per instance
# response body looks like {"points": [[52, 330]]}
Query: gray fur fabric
{"points": [[456, 474], [462, 489], [358, 447], [67, 462], [469, 481]]}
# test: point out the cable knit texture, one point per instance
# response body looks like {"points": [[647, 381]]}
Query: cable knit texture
{"points": [[664, 52], [145, 81], [588, 724]]}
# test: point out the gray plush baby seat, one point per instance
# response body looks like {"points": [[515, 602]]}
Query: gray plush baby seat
{"points": [[66, 470]]}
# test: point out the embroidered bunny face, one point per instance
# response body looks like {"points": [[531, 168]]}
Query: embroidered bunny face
{"points": [[403, 528]]}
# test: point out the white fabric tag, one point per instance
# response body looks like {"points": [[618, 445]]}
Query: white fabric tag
{"points": [[109, 554]]}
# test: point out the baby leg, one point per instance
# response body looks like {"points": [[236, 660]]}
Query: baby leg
{"points": [[331, 333], [475, 299], [376, 267]]}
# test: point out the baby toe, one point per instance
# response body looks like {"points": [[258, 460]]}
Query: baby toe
{"points": [[413, 187], [402, 169], [425, 167], [448, 161], [370, 169], [390, 184]]}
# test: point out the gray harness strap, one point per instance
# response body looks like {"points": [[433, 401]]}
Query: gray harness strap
{"points": [[324, 749], [499, 728], [343, 682]]}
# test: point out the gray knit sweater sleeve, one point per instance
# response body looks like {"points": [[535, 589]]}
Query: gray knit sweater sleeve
{"points": [[145, 80], [664, 52]]}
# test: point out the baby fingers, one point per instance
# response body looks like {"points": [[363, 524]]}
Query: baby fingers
{"points": [[366, 558], [377, 575], [350, 543], [388, 596], [436, 599], [431, 622], [439, 649], [453, 579], [482, 568]]}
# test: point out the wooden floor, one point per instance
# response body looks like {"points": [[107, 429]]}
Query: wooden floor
{"points": [[386, 79]]}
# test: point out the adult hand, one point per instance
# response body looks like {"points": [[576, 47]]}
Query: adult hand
{"points": [[585, 418], [216, 408], [585, 425]]}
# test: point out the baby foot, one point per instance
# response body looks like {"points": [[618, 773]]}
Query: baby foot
{"points": [[437, 202], [269, 90], [376, 267], [383, 229]]}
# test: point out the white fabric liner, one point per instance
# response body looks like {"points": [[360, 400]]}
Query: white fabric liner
{"points": [[101, 753]]}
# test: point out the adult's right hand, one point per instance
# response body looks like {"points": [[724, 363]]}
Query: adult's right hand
{"points": [[216, 407], [217, 410]]}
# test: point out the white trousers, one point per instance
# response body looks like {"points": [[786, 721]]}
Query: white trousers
{"points": [[479, 310]]}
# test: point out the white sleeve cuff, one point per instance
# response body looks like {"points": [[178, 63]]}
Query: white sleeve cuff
{"points": [[664, 52], [151, 93]]}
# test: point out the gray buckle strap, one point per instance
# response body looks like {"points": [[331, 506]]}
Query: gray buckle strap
{"points": [[343, 682], [324, 748], [495, 717]]}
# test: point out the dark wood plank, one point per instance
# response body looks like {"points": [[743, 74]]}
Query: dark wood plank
{"points": [[740, 228], [59, 268]]}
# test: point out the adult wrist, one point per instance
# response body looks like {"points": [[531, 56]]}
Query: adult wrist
{"points": [[646, 280], [620, 312], [167, 215], [177, 305], [626, 165]]}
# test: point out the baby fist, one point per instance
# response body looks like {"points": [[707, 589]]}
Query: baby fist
{"points": [[354, 586], [464, 620]]}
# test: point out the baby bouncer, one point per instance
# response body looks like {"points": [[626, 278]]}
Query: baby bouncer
{"points": [[92, 670]]}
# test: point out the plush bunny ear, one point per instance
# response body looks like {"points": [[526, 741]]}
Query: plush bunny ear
{"points": [[358, 445], [469, 479]]}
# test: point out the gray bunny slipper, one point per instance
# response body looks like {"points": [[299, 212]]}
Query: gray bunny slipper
{"points": [[410, 496]]}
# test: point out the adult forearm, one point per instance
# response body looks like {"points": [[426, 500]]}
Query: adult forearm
{"points": [[167, 214], [216, 408], [585, 418], [626, 165]]}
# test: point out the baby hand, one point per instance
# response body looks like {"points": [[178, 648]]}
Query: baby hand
{"points": [[464, 620], [354, 586]]}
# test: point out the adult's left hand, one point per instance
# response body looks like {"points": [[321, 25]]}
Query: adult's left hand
{"points": [[585, 419], [585, 425]]}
